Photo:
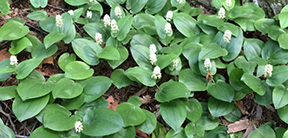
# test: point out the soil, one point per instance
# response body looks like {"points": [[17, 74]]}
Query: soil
{"points": [[49, 67]]}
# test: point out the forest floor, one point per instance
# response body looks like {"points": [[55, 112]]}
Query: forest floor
{"points": [[19, 9]]}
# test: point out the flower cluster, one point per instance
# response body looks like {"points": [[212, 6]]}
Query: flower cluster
{"points": [[268, 70], [71, 12], [169, 15], [107, 20], [89, 14], [156, 73], [78, 126], [221, 13], [227, 36], [168, 28], [98, 38], [118, 12], [114, 26], [175, 63], [207, 64], [228, 3], [152, 55], [59, 21], [13, 60]]}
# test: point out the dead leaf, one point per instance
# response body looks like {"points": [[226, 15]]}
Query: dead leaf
{"points": [[146, 99], [238, 126], [241, 107], [112, 103], [4, 54], [140, 133]]}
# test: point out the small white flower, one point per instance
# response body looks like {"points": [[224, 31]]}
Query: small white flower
{"points": [[175, 63], [228, 3], [169, 15], [268, 70], [114, 26], [71, 12], [98, 38], [221, 13], [179, 1], [207, 64], [13, 60], [168, 28], [78, 126], [90, 1], [118, 12], [227, 36], [152, 55], [156, 73], [59, 21], [153, 48], [107, 20], [89, 14]]}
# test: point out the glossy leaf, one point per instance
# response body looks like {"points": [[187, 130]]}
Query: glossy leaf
{"points": [[7, 92], [128, 132], [109, 53], [212, 51], [254, 83], [123, 56], [37, 15], [13, 30], [44, 133], [141, 75], [76, 3], [4, 7], [185, 24], [194, 130], [282, 40], [194, 109], [124, 25], [252, 48], [78, 70], [132, 115], [52, 38], [19, 45], [264, 131], [67, 89], [140, 54], [41, 52], [219, 108], [263, 23], [64, 59], [149, 124], [272, 52], [279, 75], [221, 91], [26, 67], [154, 6], [120, 79], [5, 131], [280, 96], [39, 3]]}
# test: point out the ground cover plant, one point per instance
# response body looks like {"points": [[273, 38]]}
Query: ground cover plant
{"points": [[197, 70]]}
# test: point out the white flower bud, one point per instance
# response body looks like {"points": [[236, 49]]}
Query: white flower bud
{"points": [[228, 3], [59, 21], [169, 15], [207, 64], [227, 36], [156, 73], [152, 55], [98, 38], [221, 13], [153, 48], [180, 1], [89, 14], [78, 126], [114, 26], [13, 60], [107, 20], [71, 12], [175, 63], [168, 28], [268, 70], [118, 12]]}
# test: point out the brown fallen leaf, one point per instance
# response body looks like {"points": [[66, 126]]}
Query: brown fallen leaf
{"points": [[4, 54], [112, 103], [140, 133], [238, 126], [146, 99], [241, 107]]}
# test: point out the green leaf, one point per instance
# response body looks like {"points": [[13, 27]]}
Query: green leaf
{"points": [[146, 22], [58, 118], [128, 132], [39, 3], [52, 38], [159, 132], [13, 30], [265, 99], [4, 7], [109, 53], [207, 122], [68, 28], [27, 109], [132, 115], [252, 48], [124, 25], [135, 100], [194, 130], [234, 116], [149, 124], [279, 75], [140, 54], [192, 81], [235, 81], [41, 52], [219, 108], [78, 70], [6, 132], [34, 88], [280, 96], [154, 6], [171, 90], [26, 67], [4, 64], [67, 89], [37, 15], [7, 92], [93, 28], [221, 91], [194, 109], [176, 134], [283, 19], [229, 26], [185, 24], [19, 45], [94, 87], [263, 23], [282, 40], [274, 32], [76, 3], [140, 75], [273, 53], [212, 51], [254, 83], [86, 50], [75, 103], [264, 131], [64, 59], [120, 79], [174, 113], [211, 20], [285, 134], [283, 113], [123, 56], [44, 133], [145, 40], [165, 60], [102, 121], [160, 23], [218, 132], [48, 24]]}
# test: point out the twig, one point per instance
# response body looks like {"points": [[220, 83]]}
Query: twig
{"points": [[20, 136], [9, 118], [56, 7], [39, 30]]}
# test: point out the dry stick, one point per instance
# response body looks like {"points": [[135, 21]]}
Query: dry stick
{"points": [[39, 30], [9, 118], [19, 136], [56, 7]]}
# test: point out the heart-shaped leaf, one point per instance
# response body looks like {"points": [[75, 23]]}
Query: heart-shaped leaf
{"points": [[185, 24], [254, 83], [7, 92], [280, 96], [37, 15], [19, 45], [109, 53], [141, 75], [192, 81], [279, 75], [52, 38], [39, 3], [26, 67], [221, 91], [194, 109], [78, 70], [44, 133], [132, 115], [120, 79], [67, 89], [149, 124], [219, 108], [154, 6], [13, 30]]}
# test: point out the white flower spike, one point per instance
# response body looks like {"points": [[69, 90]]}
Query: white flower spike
{"points": [[71, 12], [114, 26], [207, 64], [89, 14], [152, 55], [221, 13], [156, 73], [228, 3], [59, 21], [98, 38], [118, 12], [227, 36], [78, 126], [168, 28], [179, 1], [13, 60], [175, 63], [107, 20], [268, 70], [169, 16]]}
